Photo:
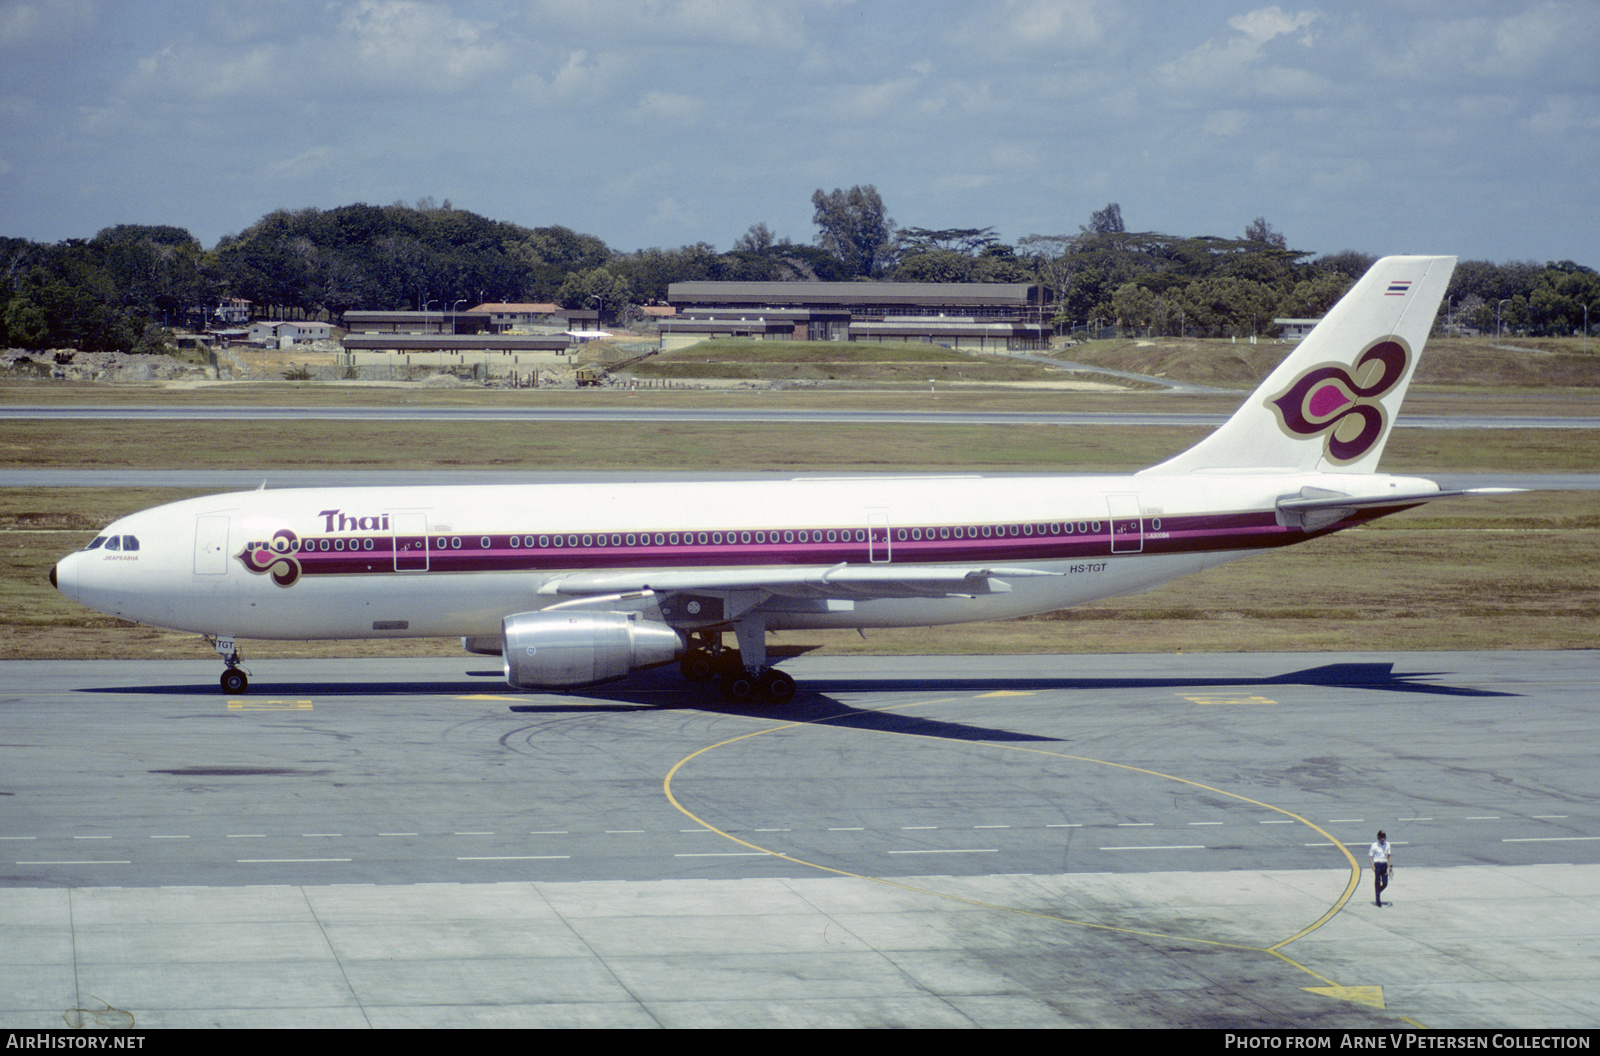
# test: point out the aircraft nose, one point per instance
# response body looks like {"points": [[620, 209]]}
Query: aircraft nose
{"points": [[64, 576]]}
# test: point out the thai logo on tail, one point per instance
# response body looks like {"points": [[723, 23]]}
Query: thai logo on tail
{"points": [[274, 557], [1343, 405]]}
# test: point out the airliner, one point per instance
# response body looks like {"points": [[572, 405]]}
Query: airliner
{"points": [[578, 584]]}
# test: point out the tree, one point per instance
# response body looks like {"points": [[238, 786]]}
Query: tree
{"points": [[1223, 305], [1312, 297], [758, 239], [599, 289], [1051, 260], [966, 240], [1261, 231], [1135, 306], [1557, 304], [1107, 221], [998, 262], [936, 265], [1349, 263], [855, 228]]}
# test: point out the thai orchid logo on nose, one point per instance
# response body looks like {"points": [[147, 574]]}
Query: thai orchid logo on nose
{"points": [[1343, 404], [275, 556]]}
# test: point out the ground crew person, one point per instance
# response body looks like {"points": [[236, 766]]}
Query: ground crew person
{"points": [[1382, 857]]}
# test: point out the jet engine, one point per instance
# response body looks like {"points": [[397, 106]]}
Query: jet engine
{"points": [[572, 648]]}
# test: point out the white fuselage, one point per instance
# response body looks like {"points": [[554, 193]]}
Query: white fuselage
{"points": [[449, 561]]}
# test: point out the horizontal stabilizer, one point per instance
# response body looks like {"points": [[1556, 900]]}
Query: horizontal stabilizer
{"points": [[1314, 512]]}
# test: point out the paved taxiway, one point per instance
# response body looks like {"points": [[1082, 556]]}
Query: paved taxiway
{"points": [[1102, 840]]}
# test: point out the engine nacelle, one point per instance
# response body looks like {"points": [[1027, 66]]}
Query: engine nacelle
{"points": [[572, 648]]}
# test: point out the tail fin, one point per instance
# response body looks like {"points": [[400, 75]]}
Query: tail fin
{"points": [[1330, 405]]}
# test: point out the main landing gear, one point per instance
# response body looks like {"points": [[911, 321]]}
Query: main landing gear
{"points": [[741, 681], [234, 680]]}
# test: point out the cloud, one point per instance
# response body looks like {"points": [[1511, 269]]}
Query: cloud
{"points": [[668, 108], [1269, 22], [771, 24], [401, 41], [671, 213], [867, 102], [306, 163], [999, 31], [1568, 116], [1552, 41], [960, 182], [1238, 63], [390, 46], [32, 22], [578, 78], [1226, 123]]}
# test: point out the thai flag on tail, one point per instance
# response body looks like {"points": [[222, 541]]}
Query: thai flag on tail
{"points": [[1398, 288]]}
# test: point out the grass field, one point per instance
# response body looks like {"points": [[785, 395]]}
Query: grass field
{"points": [[1517, 571], [713, 446]]}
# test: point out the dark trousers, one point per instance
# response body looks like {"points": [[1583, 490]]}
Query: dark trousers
{"points": [[1380, 879]]}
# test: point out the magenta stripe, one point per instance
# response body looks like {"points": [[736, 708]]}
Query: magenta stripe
{"points": [[1176, 535]]}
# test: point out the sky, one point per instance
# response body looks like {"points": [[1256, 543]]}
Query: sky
{"points": [[1467, 127]]}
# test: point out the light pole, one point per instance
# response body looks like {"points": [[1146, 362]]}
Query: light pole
{"points": [[439, 352]]}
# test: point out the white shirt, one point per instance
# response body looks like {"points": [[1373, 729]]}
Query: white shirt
{"points": [[1379, 852]]}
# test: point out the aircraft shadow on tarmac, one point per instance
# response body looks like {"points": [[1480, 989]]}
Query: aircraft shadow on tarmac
{"points": [[816, 700], [1379, 676], [810, 706]]}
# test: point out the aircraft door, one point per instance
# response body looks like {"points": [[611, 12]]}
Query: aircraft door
{"points": [[211, 544], [410, 541], [878, 548], [1127, 524]]}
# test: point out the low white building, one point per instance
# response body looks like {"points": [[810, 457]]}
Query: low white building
{"points": [[1295, 329], [285, 334]]}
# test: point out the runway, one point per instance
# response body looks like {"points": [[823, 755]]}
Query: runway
{"points": [[1093, 840]]}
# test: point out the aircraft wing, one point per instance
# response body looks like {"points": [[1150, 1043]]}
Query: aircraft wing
{"points": [[854, 582]]}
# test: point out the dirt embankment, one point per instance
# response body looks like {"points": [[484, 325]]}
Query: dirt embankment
{"points": [[71, 365]]}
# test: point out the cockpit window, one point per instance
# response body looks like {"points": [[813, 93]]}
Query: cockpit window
{"points": [[130, 542], [99, 541], [113, 542]]}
